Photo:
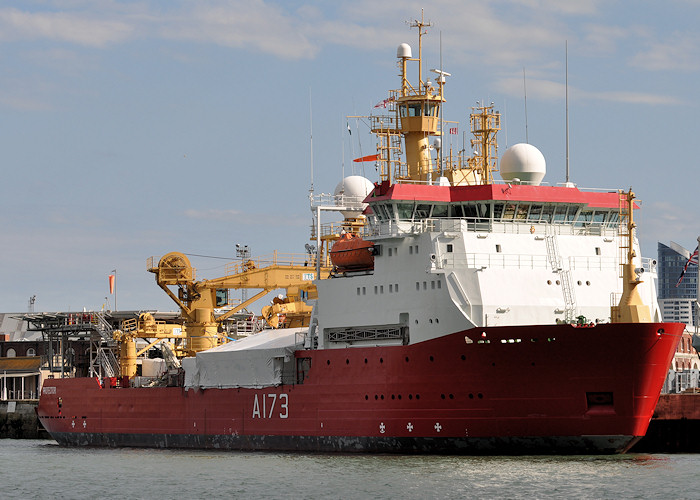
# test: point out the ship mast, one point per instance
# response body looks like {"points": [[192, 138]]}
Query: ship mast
{"points": [[630, 309]]}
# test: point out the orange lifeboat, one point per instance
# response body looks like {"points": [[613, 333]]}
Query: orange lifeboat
{"points": [[352, 253]]}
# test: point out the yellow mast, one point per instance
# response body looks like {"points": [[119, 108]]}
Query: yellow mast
{"points": [[419, 113], [631, 308]]}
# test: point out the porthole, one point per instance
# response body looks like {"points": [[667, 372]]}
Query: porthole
{"points": [[406, 359], [588, 283], [464, 357], [347, 361], [432, 359], [365, 360], [366, 397], [376, 397], [328, 361], [471, 396], [382, 397], [381, 360], [410, 396], [549, 282], [417, 396], [558, 282], [480, 396], [579, 283], [442, 396], [452, 396]]}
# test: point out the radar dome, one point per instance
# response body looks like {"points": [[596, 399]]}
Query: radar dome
{"points": [[351, 192], [523, 162]]}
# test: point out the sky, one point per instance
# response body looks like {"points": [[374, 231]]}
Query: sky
{"points": [[131, 129]]}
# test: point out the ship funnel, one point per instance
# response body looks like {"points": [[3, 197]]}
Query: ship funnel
{"points": [[404, 51]]}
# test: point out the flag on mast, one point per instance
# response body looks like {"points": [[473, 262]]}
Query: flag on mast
{"points": [[692, 260], [367, 158], [112, 279]]}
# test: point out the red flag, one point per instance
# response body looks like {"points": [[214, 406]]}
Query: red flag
{"points": [[367, 158], [111, 284], [453, 130]]}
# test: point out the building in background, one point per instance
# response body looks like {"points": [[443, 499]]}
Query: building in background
{"points": [[677, 303]]}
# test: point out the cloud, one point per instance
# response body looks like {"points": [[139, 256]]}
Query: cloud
{"points": [[666, 221], [246, 24], [548, 90], [681, 52], [73, 27]]}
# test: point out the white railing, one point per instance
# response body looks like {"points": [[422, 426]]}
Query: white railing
{"points": [[392, 228]]}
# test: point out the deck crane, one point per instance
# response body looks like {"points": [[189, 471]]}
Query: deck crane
{"points": [[198, 299]]}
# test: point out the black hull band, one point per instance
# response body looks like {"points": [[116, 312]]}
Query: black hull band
{"points": [[550, 445]]}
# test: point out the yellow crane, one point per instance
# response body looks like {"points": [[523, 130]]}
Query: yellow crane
{"points": [[198, 299]]}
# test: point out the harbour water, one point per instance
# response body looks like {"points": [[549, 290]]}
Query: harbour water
{"points": [[41, 469]]}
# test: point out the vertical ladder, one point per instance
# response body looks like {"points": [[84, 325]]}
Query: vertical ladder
{"points": [[555, 261]]}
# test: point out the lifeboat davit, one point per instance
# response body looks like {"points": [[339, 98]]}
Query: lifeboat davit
{"points": [[352, 253]]}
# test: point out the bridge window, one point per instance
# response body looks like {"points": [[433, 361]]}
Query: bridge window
{"points": [[405, 211], [439, 211], [431, 108], [422, 212]]}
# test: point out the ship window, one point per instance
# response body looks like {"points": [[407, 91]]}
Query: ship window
{"points": [[405, 211], [585, 217], [381, 288], [414, 109], [509, 211], [456, 211], [597, 250], [471, 211], [10, 353], [439, 284], [425, 285], [417, 285], [431, 108], [449, 247], [410, 250], [375, 289], [404, 110], [391, 288], [422, 211], [31, 352], [535, 211], [547, 212], [364, 291], [522, 212], [599, 217], [432, 285], [498, 248], [383, 212], [390, 250], [396, 288], [439, 211], [497, 210], [416, 249]]}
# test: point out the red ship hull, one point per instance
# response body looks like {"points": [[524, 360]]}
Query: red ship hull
{"points": [[507, 390]]}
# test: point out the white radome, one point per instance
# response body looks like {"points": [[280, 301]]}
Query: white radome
{"points": [[350, 192], [523, 162]]}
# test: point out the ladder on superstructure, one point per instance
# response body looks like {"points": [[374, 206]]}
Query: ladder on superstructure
{"points": [[555, 261]]}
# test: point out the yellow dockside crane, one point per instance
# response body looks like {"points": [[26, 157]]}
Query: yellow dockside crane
{"points": [[198, 299]]}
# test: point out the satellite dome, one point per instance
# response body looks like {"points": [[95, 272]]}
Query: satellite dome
{"points": [[404, 51], [351, 192], [523, 162]]}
